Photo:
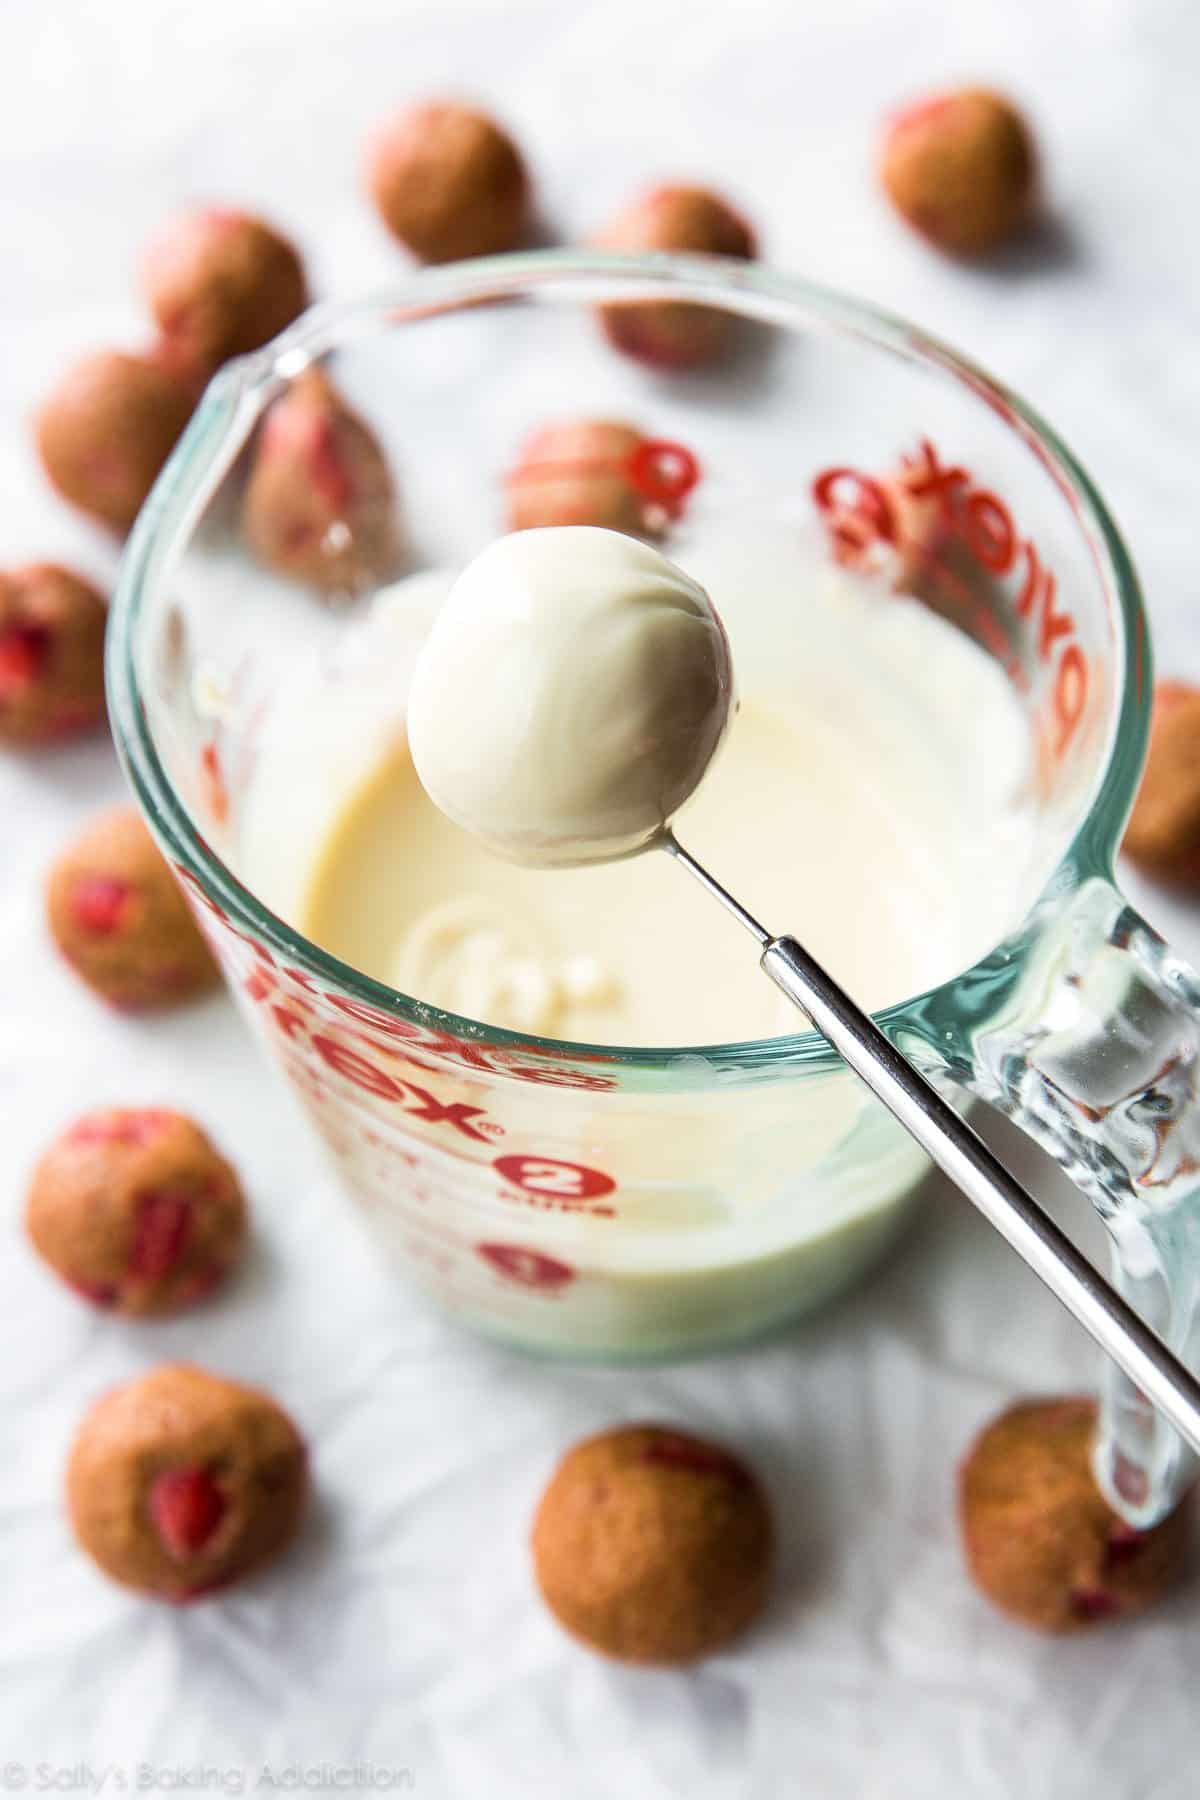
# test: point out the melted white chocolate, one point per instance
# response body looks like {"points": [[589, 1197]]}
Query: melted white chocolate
{"points": [[871, 797], [471, 957]]}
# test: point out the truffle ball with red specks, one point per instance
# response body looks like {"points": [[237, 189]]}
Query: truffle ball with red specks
{"points": [[449, 182], [1163, 834], [581, 472], [220, 283], [320, 505], [961, 169], [51, 654], [652, 1545], [107, 428], [136, 1211], [117, 915], [181, 1483], [1040, 1540], [674, 334]]}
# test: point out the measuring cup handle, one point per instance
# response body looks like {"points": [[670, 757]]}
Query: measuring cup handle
{"points": [[1095, 1052]]}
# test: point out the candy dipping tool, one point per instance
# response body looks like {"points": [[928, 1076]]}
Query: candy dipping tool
{"points": [[961, 1154]]}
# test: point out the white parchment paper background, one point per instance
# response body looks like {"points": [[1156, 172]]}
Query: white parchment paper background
{"points": [[403, 1634]]}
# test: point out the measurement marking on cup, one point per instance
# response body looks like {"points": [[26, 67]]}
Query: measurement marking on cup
{"points": [[529, 1268], [553, 1179], [543, 1183]]}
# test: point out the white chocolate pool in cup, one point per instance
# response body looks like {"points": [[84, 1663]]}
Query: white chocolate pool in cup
{"points": [[871, 798]]}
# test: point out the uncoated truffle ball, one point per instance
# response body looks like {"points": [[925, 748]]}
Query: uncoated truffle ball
{"points": [[117, 915], [1040, 1540], [1163, 834], [51, 654], [108, 427], [136, 1211], [694, 220], [320, 506], [578, 473], [220, 283], [180, 1483], [448, 182], [653, 1546], [961, 169]]}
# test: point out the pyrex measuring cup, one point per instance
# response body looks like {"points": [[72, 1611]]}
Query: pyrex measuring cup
{"points": [[577, 1198]]}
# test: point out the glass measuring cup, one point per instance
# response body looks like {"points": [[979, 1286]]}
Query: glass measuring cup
{"points": [[577, 1198]]}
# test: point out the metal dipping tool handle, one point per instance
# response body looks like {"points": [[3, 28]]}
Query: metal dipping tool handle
{"points": [[971, 1166]]}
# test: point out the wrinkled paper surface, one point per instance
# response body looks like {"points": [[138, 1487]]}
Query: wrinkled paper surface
{"points": [[403, 1634]]}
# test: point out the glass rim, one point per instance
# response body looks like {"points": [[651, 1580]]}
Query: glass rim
{"points": [[183, 488]]}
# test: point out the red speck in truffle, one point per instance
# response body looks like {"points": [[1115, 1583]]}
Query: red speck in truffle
{"points": [[1093, 1603], [685, 1453], [100, 1293], [121, 1126], [98, 903], [1124, 1542], [921, 111], [330, 476], [163, 1222], [23, 652], [186, 1506]]}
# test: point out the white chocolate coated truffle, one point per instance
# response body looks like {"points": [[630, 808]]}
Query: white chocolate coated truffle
{"points": [[570, 696]]}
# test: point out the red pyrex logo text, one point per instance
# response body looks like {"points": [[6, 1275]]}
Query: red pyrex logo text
{"points": [[301, 1013], [928, 503], [416, 1101]]}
